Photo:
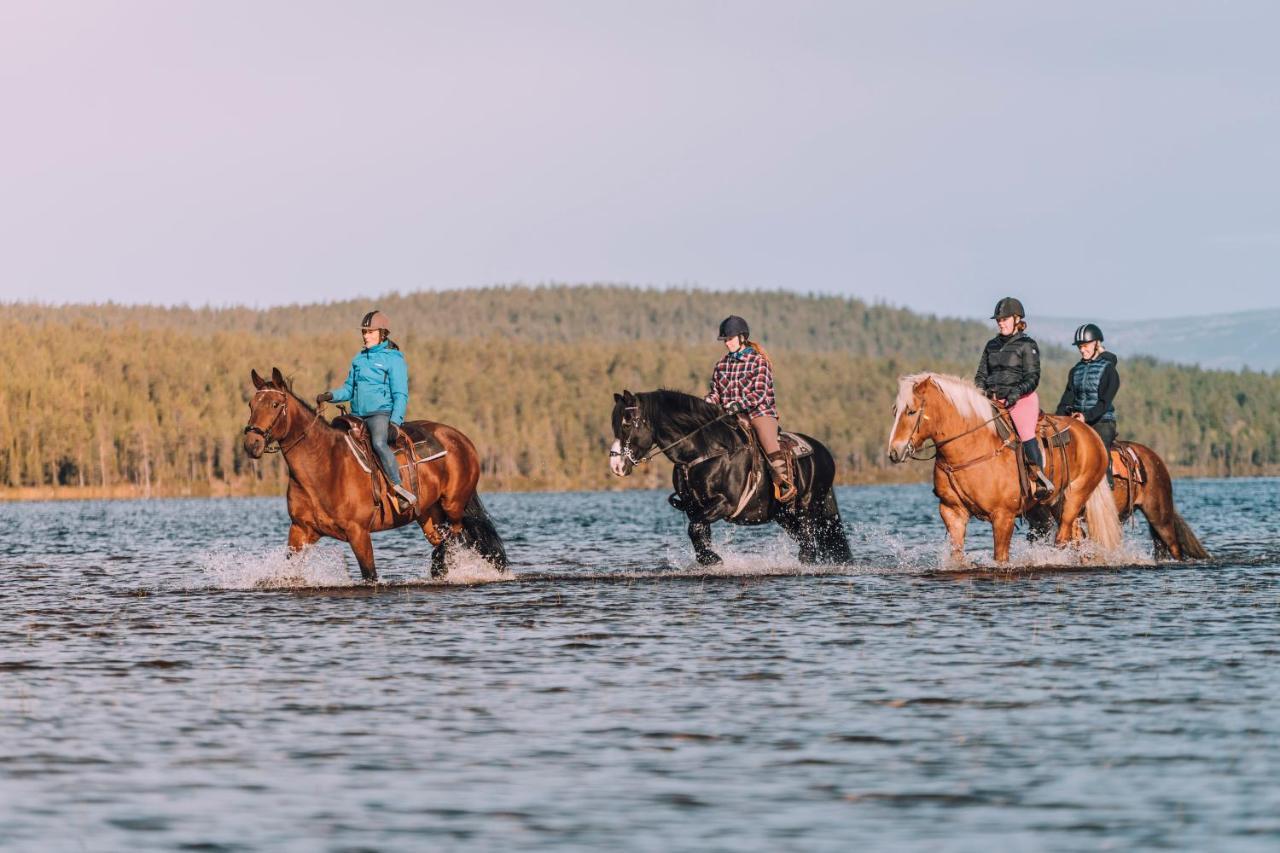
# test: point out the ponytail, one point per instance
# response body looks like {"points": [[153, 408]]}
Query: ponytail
{"points": [[755, 346]]}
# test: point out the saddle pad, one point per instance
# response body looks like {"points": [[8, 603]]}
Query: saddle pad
{"points": [[1125, 464], [798, 446]]}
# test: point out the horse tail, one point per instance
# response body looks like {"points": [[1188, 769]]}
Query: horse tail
{"points": [[480, 530], [1187, 540], [1103, 520]]}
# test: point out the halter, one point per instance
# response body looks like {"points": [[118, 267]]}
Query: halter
{"points": [[266, 434]]}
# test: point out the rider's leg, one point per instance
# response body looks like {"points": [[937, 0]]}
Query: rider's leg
{"points": [[1025, 413], [766, 430], [1107, 432], [377, 425]]}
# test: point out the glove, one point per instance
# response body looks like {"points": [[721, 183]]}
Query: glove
{"points": [[733, 407], [326, 397], [1012, 400]]}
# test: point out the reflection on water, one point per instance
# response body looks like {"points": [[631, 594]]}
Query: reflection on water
{"points": [[169, 679]]}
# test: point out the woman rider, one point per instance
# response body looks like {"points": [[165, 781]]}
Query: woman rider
{"points": [[1009, 373], [1091, 388], [378, 387], [743, 382]]}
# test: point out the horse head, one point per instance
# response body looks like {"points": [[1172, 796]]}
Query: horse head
{"points": [[633, 434], [910, 423], [268, 412]]}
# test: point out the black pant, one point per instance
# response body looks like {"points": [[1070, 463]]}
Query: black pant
{"points": [[1106, 430]]}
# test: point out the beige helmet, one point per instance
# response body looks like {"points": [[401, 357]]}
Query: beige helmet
{"points": [[376, 320]]}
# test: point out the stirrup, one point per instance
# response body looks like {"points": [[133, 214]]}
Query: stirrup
{"points": [[406, 497], [785, 495]]}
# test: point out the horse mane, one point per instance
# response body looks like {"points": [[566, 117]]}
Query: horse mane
{"points": [[685, 413], [970, 403], [287, 388]]}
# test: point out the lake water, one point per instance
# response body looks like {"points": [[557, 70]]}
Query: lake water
{"points": [[169, 681]]}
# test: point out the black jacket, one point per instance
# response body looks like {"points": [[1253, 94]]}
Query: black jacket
{"points": [[1009, 366], [1108, 385]]}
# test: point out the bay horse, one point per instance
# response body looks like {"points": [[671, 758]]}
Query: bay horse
{"points": [[720, 476], [1150, 489], [975, 472], [331, 494]]}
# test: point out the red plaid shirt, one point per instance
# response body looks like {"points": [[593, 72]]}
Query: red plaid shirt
{"points": [[746, 377]]}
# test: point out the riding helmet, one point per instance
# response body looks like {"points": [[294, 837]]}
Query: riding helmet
{"points": [[376, 320], [1087, 333], [732, 326], [1008, 307]]}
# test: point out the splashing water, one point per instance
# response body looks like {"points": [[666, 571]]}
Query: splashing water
{"points": [[232, 567]]}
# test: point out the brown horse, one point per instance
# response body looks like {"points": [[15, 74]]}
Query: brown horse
{"points": [[1150, 489], [975, 472], [331, 494]]}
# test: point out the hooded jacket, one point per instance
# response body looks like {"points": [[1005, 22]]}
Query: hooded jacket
{"points": [[378, 381], [1091, 389]]}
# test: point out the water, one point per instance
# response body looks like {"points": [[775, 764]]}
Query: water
{"points": [[169, 681]]}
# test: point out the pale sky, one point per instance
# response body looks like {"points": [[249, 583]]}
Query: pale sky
{"points": [[1123, 156]]}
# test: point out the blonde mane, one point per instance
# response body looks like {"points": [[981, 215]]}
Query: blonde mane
{"points": [[963, 394]]}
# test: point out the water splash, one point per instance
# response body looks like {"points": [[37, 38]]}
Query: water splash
{"points": [[233, 567]]}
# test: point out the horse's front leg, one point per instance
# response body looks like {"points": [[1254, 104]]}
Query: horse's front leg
{"points": [[957, 521], [300, 537], [700, 536], [362, 546]]}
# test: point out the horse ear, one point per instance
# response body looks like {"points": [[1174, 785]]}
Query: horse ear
{"points": [[628, 398], [277, 379], [258, 381], [617, 398]]}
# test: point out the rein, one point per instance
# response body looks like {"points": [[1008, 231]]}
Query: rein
{"points": [[625, 452], [913, 453], [266, 434]]}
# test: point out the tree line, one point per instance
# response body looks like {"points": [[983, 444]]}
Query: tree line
{"points": [[148, 400]]}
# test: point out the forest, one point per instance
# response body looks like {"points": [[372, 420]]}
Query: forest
{"points": [[114, 400]]}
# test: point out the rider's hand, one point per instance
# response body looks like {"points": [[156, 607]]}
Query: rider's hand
{"points": [[1078, 416], [1012, 399], [733, 407], [326, 397]]}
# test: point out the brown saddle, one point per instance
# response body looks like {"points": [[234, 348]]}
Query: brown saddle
{"points": [[1126, 464], [1053, 434], [413, 443]]}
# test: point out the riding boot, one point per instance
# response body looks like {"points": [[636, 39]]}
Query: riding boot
{"points": [[1041, 486], [784, 490]]}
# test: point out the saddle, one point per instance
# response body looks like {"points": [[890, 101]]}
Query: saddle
{"points": [[1126, 464], [793, 447], [413, 443]]}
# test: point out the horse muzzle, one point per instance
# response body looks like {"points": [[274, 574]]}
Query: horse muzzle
{"points": [[254, 444], [899, 452]]}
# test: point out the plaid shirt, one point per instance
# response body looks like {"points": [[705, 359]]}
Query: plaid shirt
{"points": [[746, 377]]}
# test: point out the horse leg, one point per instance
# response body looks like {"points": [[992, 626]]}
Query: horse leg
{"points": [[700, 536], [1163, 536], [957, 521], [437, 533], [1002, 533], [300, 537], [362, 546], [801, 530], [1069, 524]]}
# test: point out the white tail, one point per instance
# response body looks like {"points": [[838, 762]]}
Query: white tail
{"points": [[1104, 523]]}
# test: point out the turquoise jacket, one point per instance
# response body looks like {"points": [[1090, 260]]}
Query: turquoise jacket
{"points": [[377, 382]]}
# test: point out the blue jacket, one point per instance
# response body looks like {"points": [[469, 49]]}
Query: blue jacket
{"points": [[377, 382]]}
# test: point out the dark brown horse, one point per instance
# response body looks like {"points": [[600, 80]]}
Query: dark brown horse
{"points": [[331, 494], [975, 472], [1150, 489]]}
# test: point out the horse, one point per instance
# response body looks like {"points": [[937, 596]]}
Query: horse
{"points": [[331, 494], [720, 475], [975, 471], [1150, 489]]}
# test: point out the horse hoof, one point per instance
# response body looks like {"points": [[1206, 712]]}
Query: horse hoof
{"points": [[709, 559]]}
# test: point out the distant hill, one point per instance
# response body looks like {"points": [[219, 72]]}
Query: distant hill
{"points": [[1218, 342], [148, 400]]}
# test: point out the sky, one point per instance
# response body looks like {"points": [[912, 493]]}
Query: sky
{"points": [[1114, 158]]}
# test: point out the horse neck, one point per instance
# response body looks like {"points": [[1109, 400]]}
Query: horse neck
{"points": [[665, 432], [950, 427], [318, 434]]}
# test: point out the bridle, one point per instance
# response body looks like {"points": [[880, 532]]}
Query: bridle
{"points": [[267, 433], [636, 419], [912, 450]]}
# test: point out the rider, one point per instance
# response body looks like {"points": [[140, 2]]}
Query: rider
{"points": [[1009, 372], [743, 382], [378, 387], [1091, 388]]}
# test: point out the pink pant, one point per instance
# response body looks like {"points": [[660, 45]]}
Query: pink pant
{"points": [[1025, 413]]}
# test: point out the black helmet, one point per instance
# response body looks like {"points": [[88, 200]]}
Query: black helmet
{"points": [[732, 326], [1087, 333], [1008, 307]]}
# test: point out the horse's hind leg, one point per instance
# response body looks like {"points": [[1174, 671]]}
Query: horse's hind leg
{"points": [[1164, 539], [362, 546], [700, 536], [801, 530], [437, 533]]}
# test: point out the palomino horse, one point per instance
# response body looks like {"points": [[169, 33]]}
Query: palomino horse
{"points": [[719, 476], [1150, 489], [975, 472], [330, 494]]}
